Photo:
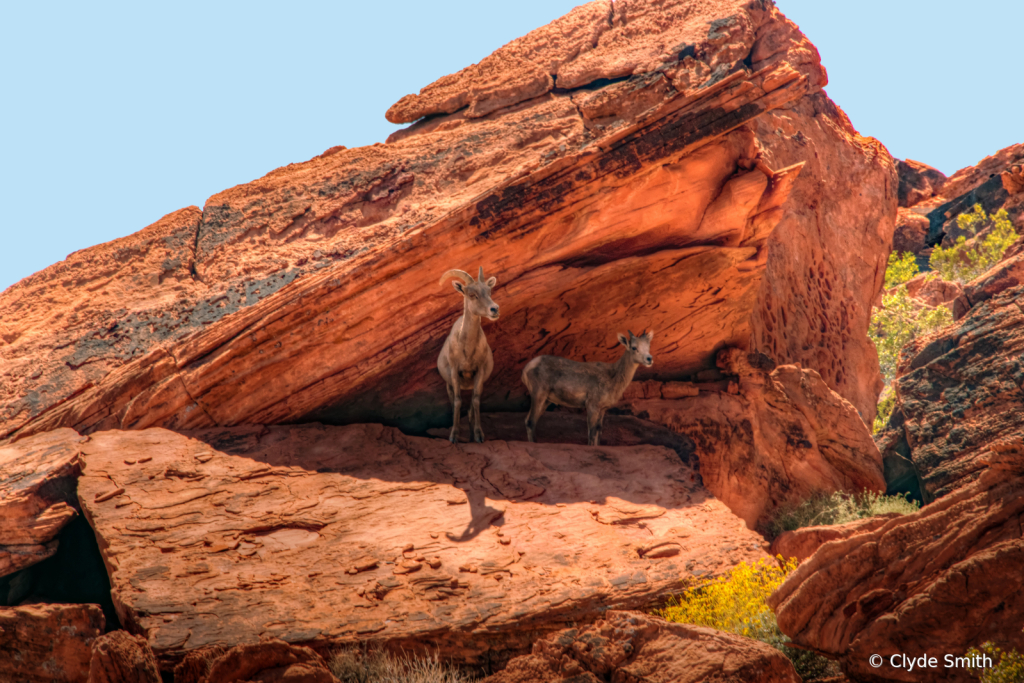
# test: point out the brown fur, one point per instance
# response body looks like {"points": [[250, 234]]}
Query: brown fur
{"points": [[466, 360], [594, 386]]}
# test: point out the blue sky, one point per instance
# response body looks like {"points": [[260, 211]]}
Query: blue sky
{"points": [[114, 114]]}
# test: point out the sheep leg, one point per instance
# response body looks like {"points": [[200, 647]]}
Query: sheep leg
{"points": [[474, 407], [538, 402], [455, 391], [594, 418]]}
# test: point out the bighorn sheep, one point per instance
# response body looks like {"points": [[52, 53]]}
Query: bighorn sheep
{"points": [[594, 386], [466, 360]]}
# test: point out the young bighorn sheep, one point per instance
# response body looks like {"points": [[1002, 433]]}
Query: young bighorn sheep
{"points": [[594, 386], [466, 360]]}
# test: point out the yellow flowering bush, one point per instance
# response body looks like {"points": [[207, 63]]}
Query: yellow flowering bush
{"points": [[738, 603], [1008, 666]]}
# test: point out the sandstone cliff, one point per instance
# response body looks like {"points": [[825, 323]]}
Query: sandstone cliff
{"points": [[637, 192]]}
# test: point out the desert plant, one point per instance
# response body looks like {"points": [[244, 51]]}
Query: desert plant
{"points": [[1008, 666], [839, 508], [362, 665], [969, 258], [885, 408], [901, 268], [738, 603], [897, 322]]}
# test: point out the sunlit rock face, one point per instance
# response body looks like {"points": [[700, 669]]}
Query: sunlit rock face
{"points": [[645, 165]]}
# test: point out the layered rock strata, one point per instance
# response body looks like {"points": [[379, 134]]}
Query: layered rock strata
{"points": [[941, 580], [324, 535], [930, 203], [959, 391], [632, 646], [37, 483], [773, 438], [632, 188]]}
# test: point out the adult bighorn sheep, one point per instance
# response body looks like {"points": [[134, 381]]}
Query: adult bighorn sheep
{"points": [[594, 386], [466, 360]]}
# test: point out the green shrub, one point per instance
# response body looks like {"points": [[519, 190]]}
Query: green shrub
{"points": [[901, 268], [1009, 666], [738, 603], [356, 665], [897, 322], [885, 408], [839, 508], [967, 259]]}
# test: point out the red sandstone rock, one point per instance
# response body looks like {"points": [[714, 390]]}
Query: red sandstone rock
{"points": [[804, 542], [645, 202], [781, 438], [325, 535], [632, 646], [958, 391], [918, 182], [272, 661], [48, 643], [119, 657], [982, 184], [1006, 274], [911, 233], [37, 480], [932, 290], [941, 580], [826, 258]]}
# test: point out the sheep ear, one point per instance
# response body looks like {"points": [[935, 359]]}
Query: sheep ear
{"points": [[458, 287], [649, 334], [623, 340], [491, 281]]}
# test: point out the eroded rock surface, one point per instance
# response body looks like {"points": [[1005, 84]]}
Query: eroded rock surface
{"points": [[804, 542], [48, 643], [322, 535], [120, 657], [271, 661], [932, 203], [662, 200], [632, 646], [941, 580], [37, 481], [959, 391], [780, 436]]}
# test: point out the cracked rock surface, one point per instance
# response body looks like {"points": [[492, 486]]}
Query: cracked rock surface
{"points": [[319, 535], [659, 195]]}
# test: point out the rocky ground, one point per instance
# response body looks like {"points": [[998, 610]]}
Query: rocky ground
{"points": [[222, 438]]}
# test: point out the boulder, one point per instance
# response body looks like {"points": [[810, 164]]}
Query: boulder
{"points": [[633, 646], [1008, 273], [653, 186], [911, 233], [932, 290], [776, 438], [804, 542], [37, 483], [984, 183], [1013, 179], [324, 535], [918, 182], [270, 661], [119, 657], [939, 581], [958, 390], [48, 643]]}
